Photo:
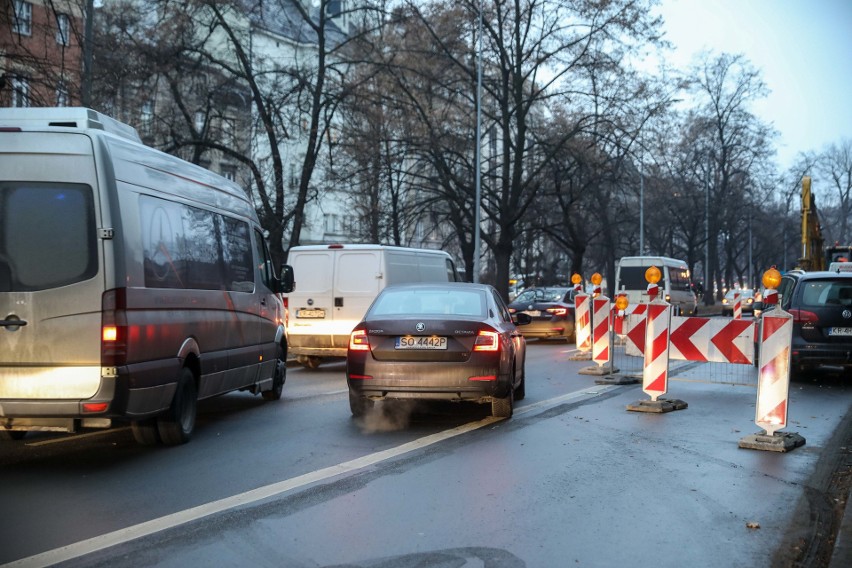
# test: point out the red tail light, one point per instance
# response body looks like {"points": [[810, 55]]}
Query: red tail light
{"points": [[114, 327], [804, 316], [358, 341], [558, 311], [90, 407], [487, 341]]}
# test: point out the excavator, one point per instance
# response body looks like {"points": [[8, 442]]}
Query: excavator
{"points": [[815, 256]]}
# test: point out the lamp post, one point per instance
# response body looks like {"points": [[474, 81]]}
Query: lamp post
{"points": [[478, 159]]}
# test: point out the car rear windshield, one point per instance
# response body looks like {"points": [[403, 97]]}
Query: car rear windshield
{"points": [[542, 295], [402, 302], [827, 293], [47, 236]]}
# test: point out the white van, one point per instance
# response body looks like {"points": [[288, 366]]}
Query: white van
{"points": [[132, 283], [335, 284], [675, 284]]}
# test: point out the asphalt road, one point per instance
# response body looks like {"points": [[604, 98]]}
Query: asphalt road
{"points": [[572, 479]]}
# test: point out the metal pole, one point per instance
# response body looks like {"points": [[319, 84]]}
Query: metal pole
{"points": [[750, 282], [707, 285], [86, 94], [641, 212], [478, 160]]}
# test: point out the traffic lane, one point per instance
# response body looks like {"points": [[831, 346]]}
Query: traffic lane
{"points": [[583, 482], [63, 489]]}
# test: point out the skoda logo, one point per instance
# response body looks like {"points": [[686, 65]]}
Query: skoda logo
{"points": [[847, 314], [420, 326]]}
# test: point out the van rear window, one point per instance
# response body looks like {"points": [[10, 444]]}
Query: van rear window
{"points": [[47, 236], [633, 278]]}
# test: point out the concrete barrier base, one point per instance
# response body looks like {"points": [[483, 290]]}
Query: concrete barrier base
{"points": [[657, 406], [618, 380], [598, 370], [581, 356], [778, 442]]}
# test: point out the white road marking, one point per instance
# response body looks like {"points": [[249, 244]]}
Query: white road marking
{"points": [[121, 536], [77, 437]]}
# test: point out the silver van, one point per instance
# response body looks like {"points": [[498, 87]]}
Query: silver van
{"points": [[132, 283]]}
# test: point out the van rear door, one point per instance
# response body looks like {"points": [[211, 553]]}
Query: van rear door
{"points": [[51, 280], [358, 278]]}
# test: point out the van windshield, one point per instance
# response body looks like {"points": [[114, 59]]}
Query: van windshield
{"points": [[47, 236], [633, 278]]}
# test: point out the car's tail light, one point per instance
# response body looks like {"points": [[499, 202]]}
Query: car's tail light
{"points": [[512, 310], [358, 341], [361, 377], [114, 327], [483, 378], [487, 341], [804, 316], [94, 407], [557, 311]]}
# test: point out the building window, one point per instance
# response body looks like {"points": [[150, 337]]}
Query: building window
{"points": [[332, 224], [200, 121], [23, 24], [63, 29], [229, 173], [62, 97], [20, 92], [146, 116]]}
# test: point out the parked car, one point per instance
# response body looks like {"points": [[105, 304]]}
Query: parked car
{"points": [[747, 299], [551, 310], [453, 341], [821, 305]]}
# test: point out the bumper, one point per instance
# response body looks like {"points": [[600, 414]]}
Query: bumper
{"points": [[548, 330], [427, 381], [810, 355]]}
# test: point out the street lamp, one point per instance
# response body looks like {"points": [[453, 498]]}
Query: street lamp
{"points": [[478, 159]]}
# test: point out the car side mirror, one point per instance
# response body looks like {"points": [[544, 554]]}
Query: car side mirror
{"points": [[287, 284], [521, 318]]}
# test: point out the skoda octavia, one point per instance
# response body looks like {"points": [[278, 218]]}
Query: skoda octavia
{"points": [[454, 341]]}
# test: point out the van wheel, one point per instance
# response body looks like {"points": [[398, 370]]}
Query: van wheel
{"points": [[12, 434], [278, 380], [178, 422], [145, 431]]}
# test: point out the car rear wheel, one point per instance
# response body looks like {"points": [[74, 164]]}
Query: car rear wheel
{"points": [[359, 405], [278, 380], [502, 407], [178, 422]]}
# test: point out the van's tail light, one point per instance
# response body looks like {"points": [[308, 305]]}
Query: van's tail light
{"points": [[487, 341], [804, 316], [358, 341], [557, 311], [114, 327]]}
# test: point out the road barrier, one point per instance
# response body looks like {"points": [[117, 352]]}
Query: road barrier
{"points": [[712, 340], [601, 352], [655, 375], [583, 322]]}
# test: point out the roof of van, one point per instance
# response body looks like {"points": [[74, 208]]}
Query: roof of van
{"points": [[647, 260], [67, 117], [364, 246], [191, 181]]}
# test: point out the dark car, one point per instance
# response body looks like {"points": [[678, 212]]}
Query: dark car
{"points": [[746, 302], [821, 305], [454, 341], [551, 310]]}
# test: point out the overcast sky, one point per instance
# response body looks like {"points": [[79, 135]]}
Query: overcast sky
{"points": [[802, 47]]}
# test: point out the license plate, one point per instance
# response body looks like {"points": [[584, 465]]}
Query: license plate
{"points": [[840, 331], [304, 313], [433, 342], [533, 313]]}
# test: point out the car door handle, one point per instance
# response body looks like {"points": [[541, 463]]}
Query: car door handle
{"points": [[12, 323], [263, 301]]}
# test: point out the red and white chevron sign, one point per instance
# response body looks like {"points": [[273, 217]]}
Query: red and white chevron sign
{"points": [[600, 346], [738, 306], [712, 339], [655, 375], [634, 330], [773, 380], [583, 322]]}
